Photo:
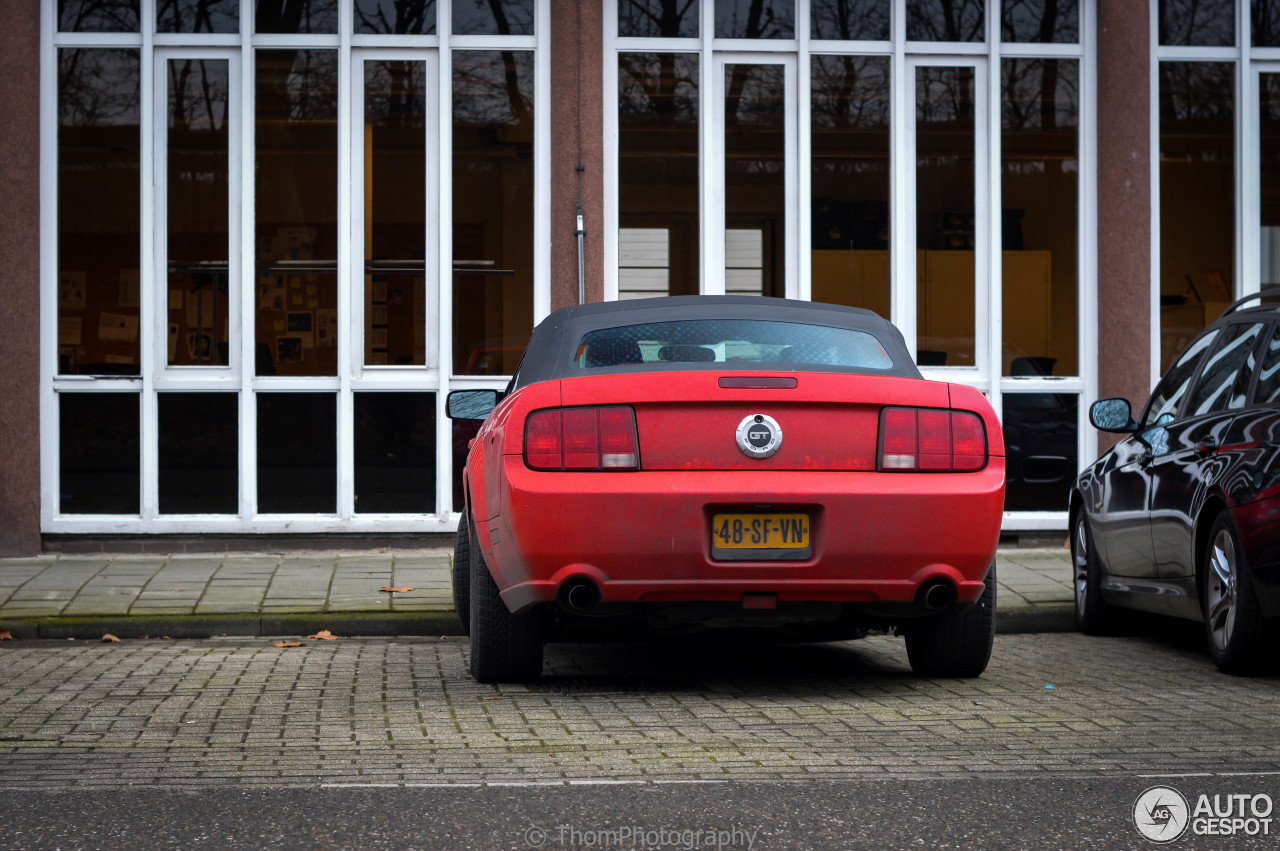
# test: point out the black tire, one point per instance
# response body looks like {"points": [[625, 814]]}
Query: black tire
{"points": [[504, 647], [1239, 637], [955, 642], [1093, 614], [462, 573]]}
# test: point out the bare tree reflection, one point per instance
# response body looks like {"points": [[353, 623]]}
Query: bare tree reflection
{"points": [[1040, 21], [658, 18], [98, 15], [408, 17], [850, 20], [198, 16], [296, 16], [945, 20]]}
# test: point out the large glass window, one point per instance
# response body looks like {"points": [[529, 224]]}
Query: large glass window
{"points": [[197, 225], [492, 209], [1197, 22], [98, 211], [755, 18], [850, 109], [849, 20], [1040, 184], [945, 215], [755, 165], [658, 174], [296, 220], [946, 20], [1197, 199], [250, 240], [395, 213], [1040, 21], [658, 18]]}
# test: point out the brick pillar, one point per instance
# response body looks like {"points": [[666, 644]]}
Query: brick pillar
{"points": [[1124, 201], [566, 40], [20, 277]]}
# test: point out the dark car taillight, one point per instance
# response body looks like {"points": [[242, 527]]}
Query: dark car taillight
{"points": [[601, 438], [931, 440]]}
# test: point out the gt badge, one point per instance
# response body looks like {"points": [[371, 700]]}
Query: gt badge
{"points": [[759, 436]]}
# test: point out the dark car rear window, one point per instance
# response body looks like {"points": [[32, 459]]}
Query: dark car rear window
{"points": [[741, 342]]}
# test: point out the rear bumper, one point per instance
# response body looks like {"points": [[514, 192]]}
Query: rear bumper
{"points": [[645, 536]]}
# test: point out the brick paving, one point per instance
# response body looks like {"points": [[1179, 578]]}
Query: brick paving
{"points": [[176, 585], [404, 711]]}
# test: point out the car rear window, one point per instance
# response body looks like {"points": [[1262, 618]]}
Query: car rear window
{"points": [[741, 342]]}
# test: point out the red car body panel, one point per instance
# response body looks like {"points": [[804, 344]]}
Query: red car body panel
{"points": [[644, 536]]}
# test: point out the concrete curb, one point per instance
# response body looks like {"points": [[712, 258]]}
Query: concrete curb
{"points": [[1053, 618]]}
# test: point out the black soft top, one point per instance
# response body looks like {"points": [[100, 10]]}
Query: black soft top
{"points": [[554, 342]]}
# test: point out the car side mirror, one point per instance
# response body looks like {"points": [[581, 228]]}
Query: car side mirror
{"points": [[1113, 414], [470, 404]]}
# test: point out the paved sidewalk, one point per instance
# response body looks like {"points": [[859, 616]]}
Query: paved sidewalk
{"points": [[76, 596]]}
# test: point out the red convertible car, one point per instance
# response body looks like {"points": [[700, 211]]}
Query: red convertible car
{"points": [[718, 461]]}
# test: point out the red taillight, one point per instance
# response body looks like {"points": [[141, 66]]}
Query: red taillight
{"points": [[582, 439], [931, 440]]}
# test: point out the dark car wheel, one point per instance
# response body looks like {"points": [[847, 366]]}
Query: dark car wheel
{"points": [[1093, 615], [955, 642], [504, 647], [462, 574], [1238, 634]]}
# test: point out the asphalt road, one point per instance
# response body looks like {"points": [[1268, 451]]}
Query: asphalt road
{"points": [[937, 814], [387, 743]]}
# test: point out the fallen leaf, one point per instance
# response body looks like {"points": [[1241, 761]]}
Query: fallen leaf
{"points": [[109, 638], [324, 635], [5, 636], [288, 644], [166, 638], [493, 698], [397, 589]]}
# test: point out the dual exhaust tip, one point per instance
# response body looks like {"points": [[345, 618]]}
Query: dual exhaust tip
{"points": [[578, 595], [935, 594]]}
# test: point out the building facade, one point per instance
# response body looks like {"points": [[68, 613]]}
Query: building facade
{"points": [[247, 246]]}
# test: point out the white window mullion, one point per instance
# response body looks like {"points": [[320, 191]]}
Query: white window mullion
{"points": [[902, 187], [150, 120], [710, 154], [542, 234], [349, 340], [49, 404], [440, 247], [609, 86], [249, 278], [1087, 244], [804, 158]]}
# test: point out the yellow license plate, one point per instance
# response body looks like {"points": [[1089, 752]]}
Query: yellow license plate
{"points": [[760, 531]]}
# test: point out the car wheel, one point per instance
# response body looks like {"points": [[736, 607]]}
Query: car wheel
{"points": [[955, 642], [1093, 615], [1238, 634], [462, 574], [504, 647]]}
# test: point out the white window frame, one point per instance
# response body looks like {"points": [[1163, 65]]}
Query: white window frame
{"points": [[353, 376], [712, 52]]}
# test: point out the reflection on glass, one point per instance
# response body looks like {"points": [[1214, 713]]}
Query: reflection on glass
{"points": [[101, 16], [198, 16], [395, 205], [297, 453], [754, 179], [1266, 23], [1197, 199], [199, 453], [1040, 21], [945, 20], [657, 174], [755, 18], [945, 214], [395, 452], [98, 458], [850, 144], [849, 20], [296, 16], [1269, 178], [493, 17], [297, 211], [1198, 22], [1040, 438], [1039, 116], [197, 212], [492, 210], [98, 218], [658, 18], [398, 17]]}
